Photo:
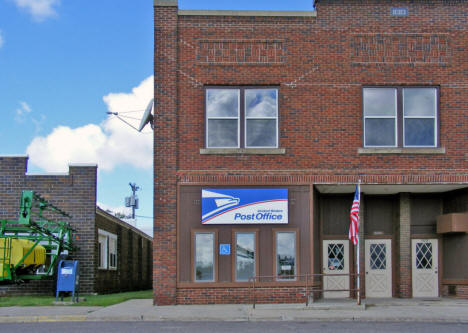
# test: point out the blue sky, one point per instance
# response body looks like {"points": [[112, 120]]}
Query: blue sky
{"points": [[64, 64]]}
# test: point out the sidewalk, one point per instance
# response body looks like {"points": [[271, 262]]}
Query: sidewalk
{"points": [[436, 310]]}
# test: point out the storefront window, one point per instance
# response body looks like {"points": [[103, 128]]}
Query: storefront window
{"points": [[204, 257], [286, 255], [245, 255]]}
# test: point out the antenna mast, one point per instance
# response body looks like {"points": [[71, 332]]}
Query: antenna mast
{"points": [[133, 200]]}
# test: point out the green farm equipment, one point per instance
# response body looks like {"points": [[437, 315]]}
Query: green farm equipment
{"points": [[31, 246]]}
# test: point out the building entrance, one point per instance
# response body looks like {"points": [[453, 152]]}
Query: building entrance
{"points": [[378, 267]]}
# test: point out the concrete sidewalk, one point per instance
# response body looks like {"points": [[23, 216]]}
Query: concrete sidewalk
{"points": [[435, 310]]}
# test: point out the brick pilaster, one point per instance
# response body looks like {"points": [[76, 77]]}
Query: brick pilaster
{"points": [[405, 246], [165, 151]]}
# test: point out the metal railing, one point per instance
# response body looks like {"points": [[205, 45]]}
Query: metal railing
{"points": [[311, 284]]}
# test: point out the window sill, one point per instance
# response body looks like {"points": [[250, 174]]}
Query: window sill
{"points": [[246, 151], [366, 151]]}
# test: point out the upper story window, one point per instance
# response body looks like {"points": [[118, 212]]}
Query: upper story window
{"points": [[242, 117], [400, 117]]}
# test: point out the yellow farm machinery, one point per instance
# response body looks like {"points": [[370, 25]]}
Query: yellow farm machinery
{"points": [[31, 246]]}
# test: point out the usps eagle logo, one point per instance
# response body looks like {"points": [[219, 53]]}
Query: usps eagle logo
{"points": [[220, 201]]}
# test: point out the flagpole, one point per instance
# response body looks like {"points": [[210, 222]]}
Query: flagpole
{"points": [[358, 254]]}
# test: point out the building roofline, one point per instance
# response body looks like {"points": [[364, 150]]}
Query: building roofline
{"points": [[103, 213], [287, 13]]}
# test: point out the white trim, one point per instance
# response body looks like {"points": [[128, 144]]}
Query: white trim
{"points": [[420, 117], [108, 237], [207, 118], [395, 117], [261, 118]]}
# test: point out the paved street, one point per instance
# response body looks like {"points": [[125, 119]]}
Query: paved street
{"points": [[235, 327]]}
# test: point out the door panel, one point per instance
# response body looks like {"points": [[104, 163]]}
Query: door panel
{"points": [[425, 267], [336, 261], [378, 267]]}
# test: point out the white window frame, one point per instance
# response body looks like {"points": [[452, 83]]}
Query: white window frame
{"points": [[400, 117], [242, 117], [223, 118], [395, 117], [261, 118], [105, 237], [434, 117]]}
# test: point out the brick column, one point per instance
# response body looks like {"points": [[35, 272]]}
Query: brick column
{"points": [[405, 246], [165, 152]]}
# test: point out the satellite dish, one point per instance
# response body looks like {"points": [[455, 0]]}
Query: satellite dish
{"points": [[147, 116]]}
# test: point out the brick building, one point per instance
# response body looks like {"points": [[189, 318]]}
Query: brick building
{"points": [[299, 107], [114, 256]]}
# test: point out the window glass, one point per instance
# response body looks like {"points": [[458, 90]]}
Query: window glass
{"points": [[252, 123], [419, 102], [222, 103], [419, 132], [286, 255], [112, 252], [222, 133], [204, 257], [379, 102], [222, 112], [400, 117], [419, 111], [261, 133], [245, 255], [102, 251], [380, 132], [261, 103]]}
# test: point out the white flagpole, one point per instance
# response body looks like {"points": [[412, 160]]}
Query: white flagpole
{"points": [[358, 284]]}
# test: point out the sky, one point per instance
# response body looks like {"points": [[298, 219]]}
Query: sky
{"points": [[64, 64]]}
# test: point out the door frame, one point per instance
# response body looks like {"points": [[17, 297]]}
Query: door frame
{"points": [[390, 264], [436, 258], [348, 250]]}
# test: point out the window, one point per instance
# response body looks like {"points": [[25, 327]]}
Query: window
{"points": [[107, 250], [113, 252], [286, 262], [245, 255], [102, 251], [242, 117], [400, 117], [204, 257]]}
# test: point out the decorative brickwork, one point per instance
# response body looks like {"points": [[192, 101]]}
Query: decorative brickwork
{"points": [[241, 52], [407, 48]]}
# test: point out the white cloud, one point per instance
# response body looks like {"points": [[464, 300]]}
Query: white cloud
{"points": [[39, 9], [22, 111], [2, 40], [108, 144]]}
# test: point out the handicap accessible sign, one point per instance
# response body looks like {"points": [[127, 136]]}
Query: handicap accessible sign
{"points": [[244, 206]]}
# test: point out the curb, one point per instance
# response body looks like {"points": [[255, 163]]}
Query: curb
{"points": [[41, 319], [82, 318]]}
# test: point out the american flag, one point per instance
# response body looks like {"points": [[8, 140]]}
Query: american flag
{"points": [[354, 215]]}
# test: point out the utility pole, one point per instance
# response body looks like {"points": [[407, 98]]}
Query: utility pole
{"points": [[133, 200]]}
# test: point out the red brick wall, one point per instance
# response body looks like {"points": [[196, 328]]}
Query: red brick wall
{"points": [[74, 192], [263, 295], [320, 65], [165, 163], [134, 256]]}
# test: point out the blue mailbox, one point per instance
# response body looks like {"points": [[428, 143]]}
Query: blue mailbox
{"points": [[68, 278]]}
